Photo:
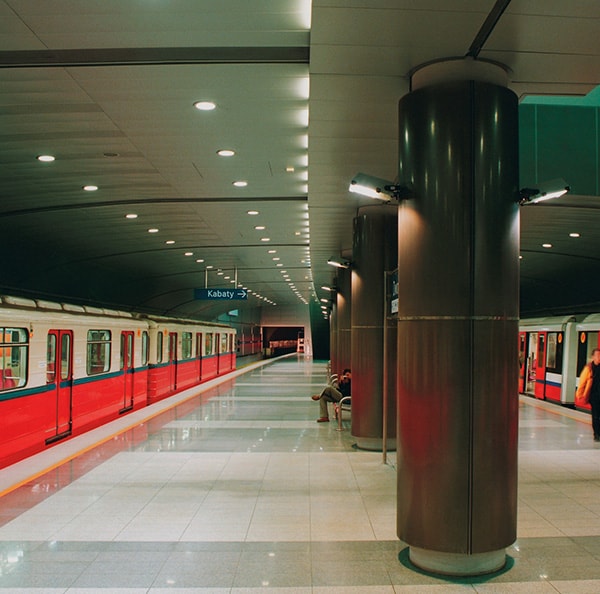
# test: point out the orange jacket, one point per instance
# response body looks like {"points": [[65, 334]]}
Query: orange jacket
{"points": [[582, 396]]}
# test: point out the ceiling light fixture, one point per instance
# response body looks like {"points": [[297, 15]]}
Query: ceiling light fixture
{"points": [[225, 153], [90, 188], [45, 158], [338, 263], [378, 188], [554, 188], [205, 105], [240, 183]]}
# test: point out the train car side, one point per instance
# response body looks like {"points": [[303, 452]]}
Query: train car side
{"points": [[65, 369], [187, 354], [552, 354]]}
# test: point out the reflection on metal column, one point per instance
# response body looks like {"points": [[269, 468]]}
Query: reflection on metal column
{"points": [[375, 250], [458, 326]]}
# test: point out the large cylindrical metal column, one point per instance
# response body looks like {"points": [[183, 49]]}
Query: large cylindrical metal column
{"points": [[344, 320], [333, 335], [458, 279], [375, 251]]}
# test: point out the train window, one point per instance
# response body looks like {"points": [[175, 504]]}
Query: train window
{"points": [[145, 348], [14, 357], [186, 345], [98, 351], [554, 352], [208, 343], [65, 357], [159, 347], [541, 349], [50, 358], [224, 339]]}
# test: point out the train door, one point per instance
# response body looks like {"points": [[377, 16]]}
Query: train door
{"points": [[540, 379], [522, 361], [531, 363], [218, 352], [199, 345], [59, 371], [127, 369], [173, 360]]}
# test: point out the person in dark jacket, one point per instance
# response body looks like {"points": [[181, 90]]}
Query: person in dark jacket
{"points": [[333, 394]]}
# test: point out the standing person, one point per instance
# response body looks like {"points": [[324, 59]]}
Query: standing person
{"points": [[331, 394], [589, 390]]}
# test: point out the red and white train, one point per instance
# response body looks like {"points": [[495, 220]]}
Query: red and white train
{"points": [[552, 353], [65, 369]]}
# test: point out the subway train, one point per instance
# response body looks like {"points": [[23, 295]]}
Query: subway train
{"points": [[552, 353], [66, 369]]}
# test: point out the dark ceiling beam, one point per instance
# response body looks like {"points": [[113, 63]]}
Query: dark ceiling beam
{"points": [[142, 56], [486, 29], [86, 206]]}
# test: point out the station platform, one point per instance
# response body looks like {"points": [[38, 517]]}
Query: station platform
{"points": [[234, 488]]}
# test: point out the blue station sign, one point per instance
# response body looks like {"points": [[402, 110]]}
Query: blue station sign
{"points": [[221, 294]]}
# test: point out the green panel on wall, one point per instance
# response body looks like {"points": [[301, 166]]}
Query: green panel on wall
{"points": [[559, 141], [567, 146]]}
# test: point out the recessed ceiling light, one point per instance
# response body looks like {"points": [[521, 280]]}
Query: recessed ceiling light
{"points": [[252, 212], [205, 105], [199, 260], [276, 259], [170, 241], [265, 239], [188, 254], [546, 245], [131, 215], [210, 266], [240, 183], [90, 188], [574, 235], [260, 227], [153, 230], [290, 169], [45, 158], [225, 153]]}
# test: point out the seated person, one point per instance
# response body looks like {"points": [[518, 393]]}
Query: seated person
{"points": [[331, 394]]}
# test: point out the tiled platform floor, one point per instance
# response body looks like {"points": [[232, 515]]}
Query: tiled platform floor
{"points": [[238, 490]]}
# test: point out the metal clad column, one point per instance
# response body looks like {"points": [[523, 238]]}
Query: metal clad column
{"points": [[458, 325], [344, 317], [375, 250], [333, 335]]}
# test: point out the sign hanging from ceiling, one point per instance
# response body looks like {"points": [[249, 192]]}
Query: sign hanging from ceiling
{"points": [[221, 294]]}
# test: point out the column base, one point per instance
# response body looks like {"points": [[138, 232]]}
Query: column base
{"points": [[457, 564]]}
